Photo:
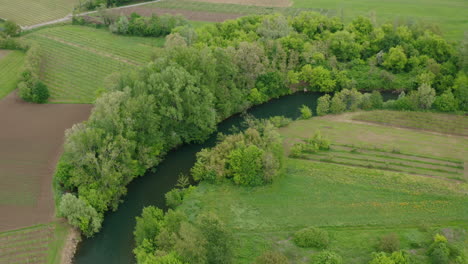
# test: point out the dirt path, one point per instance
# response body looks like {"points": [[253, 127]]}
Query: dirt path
{"points": [[69, 16], [70, 246], [31, 138]]}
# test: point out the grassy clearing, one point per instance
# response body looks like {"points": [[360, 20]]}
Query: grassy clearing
{"points": [[357, 205], [449, 14], [232, 8], [78, 59], [357, 202], [10, 68], [27, 12], [442, 123], [36, 244]]}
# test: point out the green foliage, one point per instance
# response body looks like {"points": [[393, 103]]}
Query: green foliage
{"points": [[31, 89], [154, 26], [376, 100], [381, 258], [11, 28], [80, 214], [245, 165], [344, 46], [425, 96], [311, 237], [396, 59], [148, 225], [318, 78], [218, 239], [175, 197], [446, 102], [272, 257], [323, 105], [389, 243], [280, 121], [306, 113], [326, 257]]}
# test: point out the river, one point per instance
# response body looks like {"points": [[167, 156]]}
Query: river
{"points": [[114, 243]]}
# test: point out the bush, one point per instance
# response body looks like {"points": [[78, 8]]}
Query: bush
{"points": [[323, 105], [326, 257], [311, 237], [445, 102], [272, 257], [306, 113], [80, 214], [389, 243], [175, 197], [12, 29], [337, 105], [280, 121], [245, 164], [376, 100]]}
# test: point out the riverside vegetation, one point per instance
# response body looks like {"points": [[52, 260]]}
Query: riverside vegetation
{"points": [[206, 74]]}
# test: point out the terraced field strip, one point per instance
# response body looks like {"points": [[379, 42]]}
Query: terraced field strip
{"points": [[442, 123], [10, 67], [27, 12], [233, 8], [28, 245], [388, 161], [78, 59]]}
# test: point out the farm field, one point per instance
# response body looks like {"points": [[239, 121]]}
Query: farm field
{"points": [[450, 14], [31, 141], [442, 123], [78, 59], [11, 63], [357, 205], [27, 12], [36, 244]]}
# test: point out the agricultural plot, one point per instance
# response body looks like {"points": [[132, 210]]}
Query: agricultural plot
{"points": [[11, 63], [442, 123], [31, 141], [414, 195], [27, 12], [449, 14], [33, 245], [78, 59]]}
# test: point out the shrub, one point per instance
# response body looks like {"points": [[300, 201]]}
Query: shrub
{"points": [[323, 105], [40, 93], [445, 102], [396, 59], [297, 150], [245, 164], [80, 214], [319, 142], [280, 121], [337, 105], [11, 28], [272, 257], [326, 257], [381, 258], [425, 96], [311, 237], [376, 100], [175, 197], [389, 243], [306, 113]]}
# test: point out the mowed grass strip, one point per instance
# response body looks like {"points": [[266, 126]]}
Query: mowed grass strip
{"points": [[37, 244], [78, 59], [27, 12], [449, 15], [335, 197], [10, 67], [442, 123], [372, 137]]}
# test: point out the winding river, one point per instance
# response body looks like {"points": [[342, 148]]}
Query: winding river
{"points": [[114, 244]]}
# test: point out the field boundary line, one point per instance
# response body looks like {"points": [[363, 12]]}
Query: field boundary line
{"points": [[69, 16]]}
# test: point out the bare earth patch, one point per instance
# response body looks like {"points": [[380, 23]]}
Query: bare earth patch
{"points": [[31, 139], [190, 15], [272, 3]]}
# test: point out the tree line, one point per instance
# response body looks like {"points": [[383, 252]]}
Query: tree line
{"points": [[205, 75]]}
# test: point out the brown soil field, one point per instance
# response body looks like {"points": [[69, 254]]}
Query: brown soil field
{"points": [[31, 139], [190, 15], [271, 3]]}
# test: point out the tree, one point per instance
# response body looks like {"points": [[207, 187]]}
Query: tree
{"points": [[190, 244], [311, 237], [148, 225], [327, 257], [80, 214], [323, 105], [376, 100], [445, 102], [218, 239], [40, 93], [11, 28], [306, 113], [396, 59], [272, 257], [425, 96], [319, 78], [389, 243], [245, 165], [337, 105], [274, 27], [344, 47]]}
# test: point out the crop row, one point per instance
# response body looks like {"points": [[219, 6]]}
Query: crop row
{"points": [[10, 67], [26, 12]]}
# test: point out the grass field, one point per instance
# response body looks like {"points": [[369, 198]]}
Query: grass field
{"points": [[442, 123], [11, 63], [27, 12], [357, 205], [78, 59], [37, 244], [449, 14]]}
